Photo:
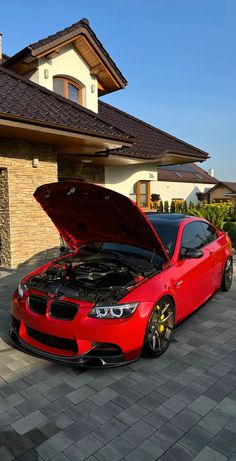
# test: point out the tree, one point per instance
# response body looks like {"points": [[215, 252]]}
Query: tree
{"points": [[172, 206], [166, 206]]}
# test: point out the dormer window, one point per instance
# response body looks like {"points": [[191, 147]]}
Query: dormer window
{"points": [[68, 88]]}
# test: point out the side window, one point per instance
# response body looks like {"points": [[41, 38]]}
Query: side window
{"points": [[210, 232], [193, 237]]}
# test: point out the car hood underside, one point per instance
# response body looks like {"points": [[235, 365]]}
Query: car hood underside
{"points": [[85, 213]]}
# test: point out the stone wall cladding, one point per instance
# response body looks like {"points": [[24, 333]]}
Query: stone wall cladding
{"points": [[31, 231], [5, 247], [77, 170]]}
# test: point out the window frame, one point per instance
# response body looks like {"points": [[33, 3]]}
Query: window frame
{"points": [[138, 194], [67, 81]]}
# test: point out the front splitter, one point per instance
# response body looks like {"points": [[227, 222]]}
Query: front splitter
{"points": [[75, 361]]}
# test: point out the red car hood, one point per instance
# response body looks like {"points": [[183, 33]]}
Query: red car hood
{"points": [[86, 213]]}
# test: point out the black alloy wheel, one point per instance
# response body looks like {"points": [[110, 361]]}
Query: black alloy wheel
{"points": [[160, 328], [227, 276]]}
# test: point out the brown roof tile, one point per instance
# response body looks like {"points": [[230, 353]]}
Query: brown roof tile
{"points": [[190, 173], [19, 97], [151, 143]]}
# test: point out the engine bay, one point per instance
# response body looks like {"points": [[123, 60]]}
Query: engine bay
{"points": [[93, 275]]}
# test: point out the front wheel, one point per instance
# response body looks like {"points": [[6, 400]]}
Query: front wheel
{"points": [[160, 328], [227, 276]]}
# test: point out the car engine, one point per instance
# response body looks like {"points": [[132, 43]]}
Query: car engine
{"points": [[96, 278]]}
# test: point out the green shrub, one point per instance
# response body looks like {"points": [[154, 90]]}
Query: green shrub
{"points": [[172, 206], [230, 227], [166, 206], [216, 213]]}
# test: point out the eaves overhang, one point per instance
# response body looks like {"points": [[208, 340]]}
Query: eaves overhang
{"points": [[68, 140]]}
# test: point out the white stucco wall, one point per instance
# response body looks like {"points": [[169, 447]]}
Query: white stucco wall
{"points": [[68, 63], [122, 178], [170, 190]]}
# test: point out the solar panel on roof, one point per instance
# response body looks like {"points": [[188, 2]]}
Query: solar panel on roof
{"points": [[187, 168]]}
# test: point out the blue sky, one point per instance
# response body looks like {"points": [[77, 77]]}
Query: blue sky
{"points": [[177, 55]]}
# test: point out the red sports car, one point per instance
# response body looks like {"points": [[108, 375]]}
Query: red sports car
{"points": [[128, 279]]}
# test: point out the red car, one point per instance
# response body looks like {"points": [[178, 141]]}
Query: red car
{"points": [[129, 279]]}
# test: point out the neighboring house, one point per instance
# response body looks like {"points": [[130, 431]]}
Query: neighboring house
{"points": [[182, 182], [223, 192], [53, 127]]}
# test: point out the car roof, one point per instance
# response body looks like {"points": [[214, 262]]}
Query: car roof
{"points": [[167, 217]]}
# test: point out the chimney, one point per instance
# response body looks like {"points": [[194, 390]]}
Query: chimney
{"points": [[0, 47], [211, 172]]}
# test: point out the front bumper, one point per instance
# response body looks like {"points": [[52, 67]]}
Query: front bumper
{"points": [[83, 341], [87, 360]]}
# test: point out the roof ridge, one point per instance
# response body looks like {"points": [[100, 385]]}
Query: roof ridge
{"points": [[61, 98], [84, 22], [153, 127]]}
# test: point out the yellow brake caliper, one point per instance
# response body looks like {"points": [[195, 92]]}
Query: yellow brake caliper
{"points": [[161, 327]]}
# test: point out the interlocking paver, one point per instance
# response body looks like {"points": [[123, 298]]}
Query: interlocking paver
{"points": [[132, 414], [213, 422], [83, 449], [29, 422], [166, 436], [137, 433], [104, 396], [195, 439], [224, 442], [5, 454], [80, 394], [186, 419], [54, 445], [177, 453], [208, 454], [109, 430], [202, 405], [146, 451]]}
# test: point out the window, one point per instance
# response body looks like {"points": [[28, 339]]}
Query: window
{"points": [[68, 89], [167, 231], [193, 237], [140, 194], [210, 232]]}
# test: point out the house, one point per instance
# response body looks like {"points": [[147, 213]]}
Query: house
{"points": [[223, 192], [182, 182], [54, 127]]}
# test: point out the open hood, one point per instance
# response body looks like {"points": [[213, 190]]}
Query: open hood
{"points": [[85, 213]]}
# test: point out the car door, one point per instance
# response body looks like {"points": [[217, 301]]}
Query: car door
{"points": [[193, 277], [215, 249]]}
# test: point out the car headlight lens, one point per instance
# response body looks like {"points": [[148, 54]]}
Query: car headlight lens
{"points": [[21, 289], [120, 311]]}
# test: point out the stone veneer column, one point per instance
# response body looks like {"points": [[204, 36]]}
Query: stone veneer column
{"points": [[5, 244], [31, 231]]}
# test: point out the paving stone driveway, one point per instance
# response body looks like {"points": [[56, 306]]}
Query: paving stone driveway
{"points": [[179, 407]]}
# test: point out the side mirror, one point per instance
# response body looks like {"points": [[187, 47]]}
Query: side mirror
{"points": [[191, 253]]}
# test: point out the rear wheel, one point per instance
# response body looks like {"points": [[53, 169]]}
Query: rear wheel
{"points": [[160, 328], [227, 275]]}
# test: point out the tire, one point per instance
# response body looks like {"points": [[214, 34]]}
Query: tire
{"points": [[227, 276], [160, 328]]}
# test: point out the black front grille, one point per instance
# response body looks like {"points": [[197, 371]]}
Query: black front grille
{"points": [[52, 341], [63, 310], [38, 304]]}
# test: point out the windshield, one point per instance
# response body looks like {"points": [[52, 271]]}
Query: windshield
{"points": [[167, 232]]}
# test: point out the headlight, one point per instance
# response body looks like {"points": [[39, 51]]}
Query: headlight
{"points": [[21, 289], [120, 311]]}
